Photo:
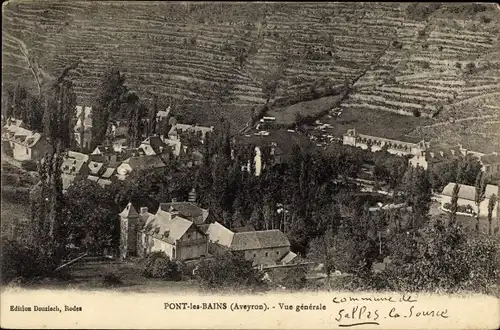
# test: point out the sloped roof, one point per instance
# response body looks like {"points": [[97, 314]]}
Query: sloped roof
{"points": [[93, 178], [67, 180], [72, 166], [95, 167], [108, 172], [174, 145], [255, 240], [144, 162], [129, 211], [289, 257], [219, 234], [469, 192], [21, 135], [490, 159], [165, 229], [186, 209], [104, 182], [78, 155]]}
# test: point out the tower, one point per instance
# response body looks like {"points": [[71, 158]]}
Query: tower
{"points": [[128, 231]]}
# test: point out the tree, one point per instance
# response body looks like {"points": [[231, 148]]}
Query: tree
{"points": [[442, 258], [417, 190], [491, 207], [107, 104], [158, 265], [59, 114], [480, 189], [229, 271], [136, 111], [92, 217], [454, 204]]}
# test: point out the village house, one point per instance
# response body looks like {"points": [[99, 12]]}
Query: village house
{"points": [[167, 231], [466, 196], [491, 166], [83, 127], [73, 169], [177, 129], [154, 145], [434, 155], [23, 144], [403, 146], [137, 163]]}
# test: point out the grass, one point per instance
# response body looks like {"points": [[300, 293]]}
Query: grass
{"points": [[91, 275], [288, 115], [374, 122]]}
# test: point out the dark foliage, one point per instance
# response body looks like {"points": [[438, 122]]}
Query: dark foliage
{"points": [[228, 271], [159, 265]]}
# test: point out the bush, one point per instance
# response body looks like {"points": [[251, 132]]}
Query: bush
{"points": [[443, 258], [228, 271], [111, 279], [416, 113], [24, 261], [159, 265], [295, 278]]}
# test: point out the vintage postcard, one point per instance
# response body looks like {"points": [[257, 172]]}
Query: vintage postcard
{"points": [[250, 165]]}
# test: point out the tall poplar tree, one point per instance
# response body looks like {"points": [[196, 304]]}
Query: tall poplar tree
{"points": [[108, 103]]}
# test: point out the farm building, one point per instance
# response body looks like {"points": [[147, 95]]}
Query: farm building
{"points": [[83, 127], [265, 248], [167, 230], [21, 143], [435, 155], [406, 146], [466, 196]]}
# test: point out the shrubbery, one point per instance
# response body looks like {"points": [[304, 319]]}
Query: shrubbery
{"points": [[442, 258], [111, 280], [159, 265], [26, 261], [461, 208], [229, 271]]}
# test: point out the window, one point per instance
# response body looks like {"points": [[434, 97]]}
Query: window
{"points": [[267, 254], [277, 252], [189, 236], [487, 168], [254, 255], [27, 152]]}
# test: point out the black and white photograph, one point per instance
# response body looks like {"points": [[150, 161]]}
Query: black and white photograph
{"points": [[252, 149]]}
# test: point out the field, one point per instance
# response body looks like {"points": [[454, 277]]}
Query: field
{"points": [[215, 58], [288, 115]]}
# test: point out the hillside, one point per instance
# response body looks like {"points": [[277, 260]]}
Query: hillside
{"points": [[227, 58]]}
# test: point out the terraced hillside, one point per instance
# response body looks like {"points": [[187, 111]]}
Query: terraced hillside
{"points": [[227, 58]]}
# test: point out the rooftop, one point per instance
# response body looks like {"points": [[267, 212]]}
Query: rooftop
{"points": [[469, 192], [255, 240]]}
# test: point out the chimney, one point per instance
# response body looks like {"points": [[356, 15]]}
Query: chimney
{"points": [[192, 196], [144, 210]]}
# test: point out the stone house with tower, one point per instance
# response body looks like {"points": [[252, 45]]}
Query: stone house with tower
{"points": [[175, 228]]}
